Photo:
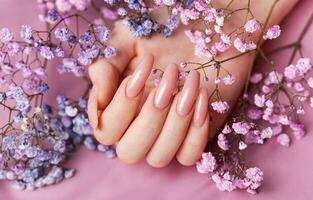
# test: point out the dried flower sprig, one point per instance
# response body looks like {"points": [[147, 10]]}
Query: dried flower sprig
{"points": [[37, 138], [270, 109]]}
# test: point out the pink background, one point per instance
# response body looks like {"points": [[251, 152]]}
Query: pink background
{"points": [[288, 172]]}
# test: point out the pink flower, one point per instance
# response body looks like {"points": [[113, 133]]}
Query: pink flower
{"points": [[226, 130], [256, 78], [5, 35], [254, 114], [239, 45], [290, 72], [272, 33], [63, 5], [298, 129], [241, 128], [251, 26], [255, 177], [229, 80], [224, 183], [169, 2], [207, 163], [283, 139], [222, 142], [267, 133], [273, 77], [259, 100], [303, 65], [220, 106], [80, 4]]}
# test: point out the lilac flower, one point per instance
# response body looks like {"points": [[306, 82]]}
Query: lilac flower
{"points": [[241, 128], [62, 34], [220, 106], [207, 163], [223, 142], [102, 32], [272, 33], [26, 33], [283, 139], [224, 182], [252, 25], [63, 5], [255, 177], [5, 35], [303, 66]]}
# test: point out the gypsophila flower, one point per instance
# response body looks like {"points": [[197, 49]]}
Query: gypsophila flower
{"points": [[272, 33], [207, 163], [220, 106], [5, 35], [252, 25]]}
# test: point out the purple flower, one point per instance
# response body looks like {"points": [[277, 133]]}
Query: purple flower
{"points": [[5, 35], [241, 128], [220, 106], [272, 33], [224, 182], [207, 163], [252, 25], [223, 142], [26, 33], [283, 139], [102, 32]]}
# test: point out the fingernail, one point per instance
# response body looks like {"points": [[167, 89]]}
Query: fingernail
{"points": [[188, 94], [93, 107], [201, 108], [139, 77], [166, 88]]}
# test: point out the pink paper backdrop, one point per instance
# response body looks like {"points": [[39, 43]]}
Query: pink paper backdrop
{"points": [[288, 172]]}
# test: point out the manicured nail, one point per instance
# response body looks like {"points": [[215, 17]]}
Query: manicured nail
{"points": [[138, 78], [201, 108], [188, 94], [166, 88], [93, 107]]}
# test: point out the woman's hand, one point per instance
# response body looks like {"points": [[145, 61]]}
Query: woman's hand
{"points": [[150, 123]]}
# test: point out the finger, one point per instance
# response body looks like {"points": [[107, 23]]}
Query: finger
{"points": [[118, 115], [197, 136], [176, 124], [92, 108], [144, 130], [105, 73]]}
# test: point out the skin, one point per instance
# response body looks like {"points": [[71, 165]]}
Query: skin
{"points": [[144, 131]]}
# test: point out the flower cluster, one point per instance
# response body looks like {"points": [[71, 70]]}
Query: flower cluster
{"points": [[36, 138]]}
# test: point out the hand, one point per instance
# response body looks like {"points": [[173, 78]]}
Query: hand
{"points": [[150, 122]]}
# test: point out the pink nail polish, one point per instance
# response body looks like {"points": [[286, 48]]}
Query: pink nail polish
{"points": [[93, 108], [201, 108], [139, 77], [188, 94], [166, 88]]}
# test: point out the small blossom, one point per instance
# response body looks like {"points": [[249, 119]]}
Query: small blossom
{"points": [[220, 106], [283, 139], [252, 25], [272, 33], [5, 35], [207, 163]]}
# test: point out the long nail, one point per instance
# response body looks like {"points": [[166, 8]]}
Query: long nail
{"points": [[188, 94], [138, 79], [93, 107], [201, 108], [166, 88]]}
